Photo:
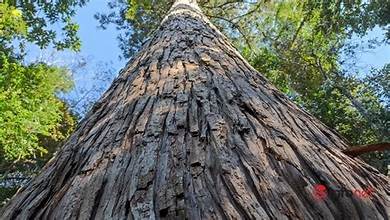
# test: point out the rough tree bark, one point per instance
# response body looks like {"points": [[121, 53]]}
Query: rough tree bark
{"points": [[190, 130]]}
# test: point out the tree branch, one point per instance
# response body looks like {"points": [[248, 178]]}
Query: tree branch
{"points": [[248, 13], [234, 25], [358, 150]]}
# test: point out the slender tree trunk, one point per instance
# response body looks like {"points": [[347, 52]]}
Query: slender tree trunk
{"points": [[190, 130]]}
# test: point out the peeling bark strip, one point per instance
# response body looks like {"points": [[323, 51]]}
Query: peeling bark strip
{"points": [[190, 130]]}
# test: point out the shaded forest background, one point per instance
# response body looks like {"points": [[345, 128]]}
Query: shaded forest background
{"points": [[308, 49]]}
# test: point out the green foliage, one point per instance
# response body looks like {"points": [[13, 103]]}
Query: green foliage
{"points": [[338, 111], [6, 193], [38, 22], [31, 114], [379, 82], [34, 121], [14, 174], [11, 22], [29, 107]]}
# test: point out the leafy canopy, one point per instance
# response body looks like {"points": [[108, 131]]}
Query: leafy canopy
{"points": [[29, 107], [32, 117], [11, 23], [45, 23]]}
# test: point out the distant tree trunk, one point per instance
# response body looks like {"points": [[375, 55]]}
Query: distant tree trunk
{"points": [[190, 130]]}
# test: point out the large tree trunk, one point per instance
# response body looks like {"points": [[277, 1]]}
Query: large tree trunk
{"points": [[190, 130]]}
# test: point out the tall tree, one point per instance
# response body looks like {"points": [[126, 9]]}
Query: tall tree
{"points": [[34, 120], [30, 109], [303, 47], [190, 130]]}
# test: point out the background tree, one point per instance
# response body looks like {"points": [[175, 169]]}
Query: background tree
{"points": [[39, 18], [29, 107], [34, 120]]}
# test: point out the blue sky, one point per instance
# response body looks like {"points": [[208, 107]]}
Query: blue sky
{"points": [[370, 58], [101, 53], [102, 45], [379, 56]]}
